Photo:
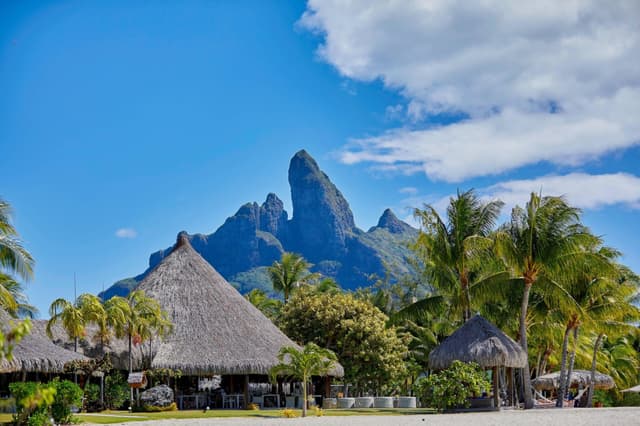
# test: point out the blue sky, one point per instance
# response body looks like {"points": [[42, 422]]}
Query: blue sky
{"points": [[148, 118]]}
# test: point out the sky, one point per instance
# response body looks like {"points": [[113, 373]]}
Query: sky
{"points": [[125, 122]]}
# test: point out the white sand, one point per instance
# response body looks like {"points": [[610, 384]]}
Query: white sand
{"points": [[539, 417]]}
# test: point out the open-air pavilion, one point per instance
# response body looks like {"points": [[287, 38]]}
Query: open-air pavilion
{"points": [[481, 342]]}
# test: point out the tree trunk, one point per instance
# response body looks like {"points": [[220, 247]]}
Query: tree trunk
{"points": [[526, 376], [593, 371], [304, 397], [130, 371], [563, 368], [572, 358]]}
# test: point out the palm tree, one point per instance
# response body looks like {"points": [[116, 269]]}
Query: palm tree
{"points": [[13, 300], [289, 273], [312, 360], [72, 317], [540, 242], [13, 256], [268, 306], [136, 317], [455, 253]]}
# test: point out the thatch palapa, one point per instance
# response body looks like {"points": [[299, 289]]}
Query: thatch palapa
{"points": [[35, 352], [216, 330], [579, 379], [478, 341]]}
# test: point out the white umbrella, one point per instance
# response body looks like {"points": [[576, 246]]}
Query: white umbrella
{"points": [[636, 388]]}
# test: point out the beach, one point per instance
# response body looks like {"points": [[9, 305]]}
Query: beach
{"points": [[547, 417]]}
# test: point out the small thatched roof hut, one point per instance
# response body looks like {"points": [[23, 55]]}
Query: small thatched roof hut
{"points": [[216, 330], [478, 341], [35, 352], [579, 379]]}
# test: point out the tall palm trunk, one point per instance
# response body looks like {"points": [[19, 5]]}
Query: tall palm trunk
{"points": [[304, 397], [464, 284], [563, 367], [572, 357], [526, 376], [130, 371], [593, 370]]}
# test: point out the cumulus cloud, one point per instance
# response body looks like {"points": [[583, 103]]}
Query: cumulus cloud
{"points": [[126, 233], [536, 81], [581, 190]]}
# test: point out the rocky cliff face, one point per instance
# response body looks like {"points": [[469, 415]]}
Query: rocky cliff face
{"points": [[322, 229]]}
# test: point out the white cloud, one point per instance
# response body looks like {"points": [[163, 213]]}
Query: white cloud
{"points": [[581, 190], [410, 190], [539, 81], [126, 233]]}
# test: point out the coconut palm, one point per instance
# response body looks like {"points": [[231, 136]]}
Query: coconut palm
{"points": [[13, 299], [72, 318], [289, 273], [541, 242], [14, 258], [268, 306], [312, 360], [454, 254]]}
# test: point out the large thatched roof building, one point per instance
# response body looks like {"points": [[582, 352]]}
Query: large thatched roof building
{"points": [[478, 341], [35, 352], [216, 331]]}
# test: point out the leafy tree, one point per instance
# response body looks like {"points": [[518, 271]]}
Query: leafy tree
{"points": [[312, 360], [9, 338], [372, 353], [451, 388], [290, 273], [540, 242]]}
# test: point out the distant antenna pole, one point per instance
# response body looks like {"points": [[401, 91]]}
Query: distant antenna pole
{"points": [[75, 296]]}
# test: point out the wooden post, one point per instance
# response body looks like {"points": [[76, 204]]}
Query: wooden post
{"points": [[511, 399], [496, 388], [246, 391]]}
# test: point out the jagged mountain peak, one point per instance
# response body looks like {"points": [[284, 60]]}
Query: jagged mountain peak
{"points": [[391, 223]]}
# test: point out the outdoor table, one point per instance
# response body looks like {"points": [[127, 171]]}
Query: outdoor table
{"points": [[199, 401], [232, 401]]}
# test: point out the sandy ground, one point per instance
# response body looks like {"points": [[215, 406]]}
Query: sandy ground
{"points": [[540, 417]]}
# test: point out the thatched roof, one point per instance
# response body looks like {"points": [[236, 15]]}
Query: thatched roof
{"points": [[35, 352], [579, 378], [478, 341], [216, 330]]}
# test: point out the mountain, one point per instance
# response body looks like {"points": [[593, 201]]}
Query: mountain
{"points": [[321, 228]]}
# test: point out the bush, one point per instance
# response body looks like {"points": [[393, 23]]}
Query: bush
{"points": [[629, 399], [92, 402], [155, 409], [33, 402], [289, 413], [67, 395], [116, 391], [451, 388]]}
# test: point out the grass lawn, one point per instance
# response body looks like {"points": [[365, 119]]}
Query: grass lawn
{"points": [[108, 416]]}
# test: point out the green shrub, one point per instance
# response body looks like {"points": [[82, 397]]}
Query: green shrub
{"points": [[116, 391], [451, 388], [604, 397], [629, 399], [154, 409], [33, 402], [92, 403], [67, 395]]}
